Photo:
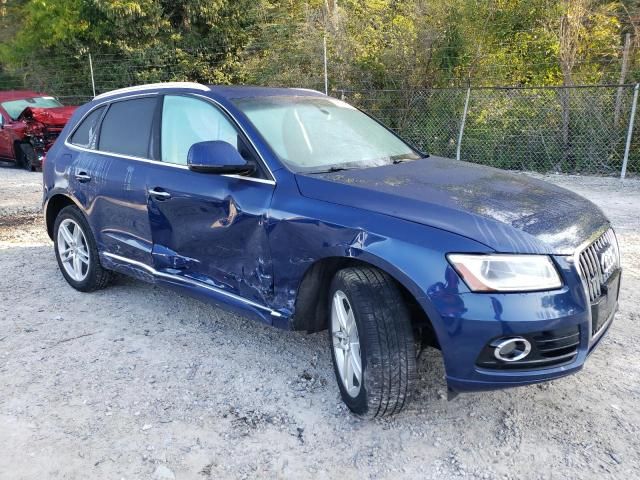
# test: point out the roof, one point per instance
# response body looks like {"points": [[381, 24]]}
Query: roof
{"points": [[153, 86], [224, 91], [252, 91], [228, 92], [17, 95]]}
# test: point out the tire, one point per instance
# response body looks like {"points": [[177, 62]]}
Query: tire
{"points": [[385, 342], [17, 150], [25, 156], [91, 276]]}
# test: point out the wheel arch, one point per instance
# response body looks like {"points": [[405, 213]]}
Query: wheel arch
{"points": [[311, 312], [53, 207]]}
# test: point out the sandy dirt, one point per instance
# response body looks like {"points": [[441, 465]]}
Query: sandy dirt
{"points": [[137, 382]]}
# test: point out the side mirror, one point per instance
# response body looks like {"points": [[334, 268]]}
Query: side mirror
{"points": [[1, 122], [217, 157]]}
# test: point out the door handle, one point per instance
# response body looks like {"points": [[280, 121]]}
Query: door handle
{"points": [[83, 177], [159, 194]]}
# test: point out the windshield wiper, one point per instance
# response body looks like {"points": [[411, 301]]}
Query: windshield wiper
{"points": [[404, 158], [333, 169]]}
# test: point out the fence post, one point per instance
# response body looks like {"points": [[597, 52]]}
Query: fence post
{"points": [[464, 120], [93, 82], [630, 132], [623, 75], [326, 72]]}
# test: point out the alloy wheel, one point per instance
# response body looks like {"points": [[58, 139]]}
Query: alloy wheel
{"points": [[73, 250], [346, 343]]}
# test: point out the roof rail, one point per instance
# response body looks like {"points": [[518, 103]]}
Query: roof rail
{"points": [[137, 88], [309, 90]]}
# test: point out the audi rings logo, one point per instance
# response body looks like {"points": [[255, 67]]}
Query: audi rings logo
{"points": [[608, 261]]}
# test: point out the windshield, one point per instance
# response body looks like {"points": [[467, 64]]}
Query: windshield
{"points": [[15, 107], [318, 134]]}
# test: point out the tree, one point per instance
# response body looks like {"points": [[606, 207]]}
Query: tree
{"points": [[372, 44]]}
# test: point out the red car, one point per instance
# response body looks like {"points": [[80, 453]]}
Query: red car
{"points": [[29, 124]]}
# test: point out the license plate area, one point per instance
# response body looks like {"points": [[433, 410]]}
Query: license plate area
{"points": [[602, 308]]}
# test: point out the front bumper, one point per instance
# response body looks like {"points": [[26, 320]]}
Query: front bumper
{"points": [[470, 321]]}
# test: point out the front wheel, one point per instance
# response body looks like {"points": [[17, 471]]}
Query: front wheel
{"points": [[372, 343], [25, 156]]}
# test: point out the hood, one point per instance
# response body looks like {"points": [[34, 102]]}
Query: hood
{"points": [[505, 211], [55, 117]]}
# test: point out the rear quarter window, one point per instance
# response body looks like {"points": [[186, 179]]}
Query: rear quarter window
{"points": [[126, 128], [86, 133]]}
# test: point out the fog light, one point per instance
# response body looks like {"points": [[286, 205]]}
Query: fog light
{"points": [[512, 349]]}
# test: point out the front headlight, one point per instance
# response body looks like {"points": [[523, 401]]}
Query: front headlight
{"points": [[506, 273]]}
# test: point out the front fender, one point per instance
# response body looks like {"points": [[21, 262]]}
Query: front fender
{"points": [[304, 232]]}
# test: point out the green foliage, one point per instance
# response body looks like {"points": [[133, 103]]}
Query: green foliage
{"points": [[409, 46], [372, 43], [141, 40], [46, 24]]}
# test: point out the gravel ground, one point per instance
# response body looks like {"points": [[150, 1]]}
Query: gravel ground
{"points": [[137, 382]]}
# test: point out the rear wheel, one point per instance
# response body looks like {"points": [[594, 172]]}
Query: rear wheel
{"points": [[77, 253], [372, 343]]}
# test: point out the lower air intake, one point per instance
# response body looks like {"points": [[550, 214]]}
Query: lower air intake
{"points": [[549, 348]]}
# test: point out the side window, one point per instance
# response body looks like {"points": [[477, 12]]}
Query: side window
{"points": [[86, 133], [186, 121], [126, 128]]}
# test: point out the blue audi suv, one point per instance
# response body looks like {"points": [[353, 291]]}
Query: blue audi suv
{"points": [[300, 210]]}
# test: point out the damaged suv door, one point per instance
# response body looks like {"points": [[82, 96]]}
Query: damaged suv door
{"points": [[209, 227], [107, 172]]}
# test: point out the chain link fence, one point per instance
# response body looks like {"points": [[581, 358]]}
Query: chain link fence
{"points": [[581, 130]]}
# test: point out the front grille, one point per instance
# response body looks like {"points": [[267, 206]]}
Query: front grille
{"points": [[598, 262], [549, 348]]}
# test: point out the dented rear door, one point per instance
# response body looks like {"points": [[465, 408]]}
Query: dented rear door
{"points": [[108, 173]]}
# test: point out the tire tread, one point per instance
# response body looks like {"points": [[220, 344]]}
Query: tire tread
{"points": [[391, 365]]}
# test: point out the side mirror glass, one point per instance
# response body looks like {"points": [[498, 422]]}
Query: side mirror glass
{"points": [[1, 121], [217, 157]]}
